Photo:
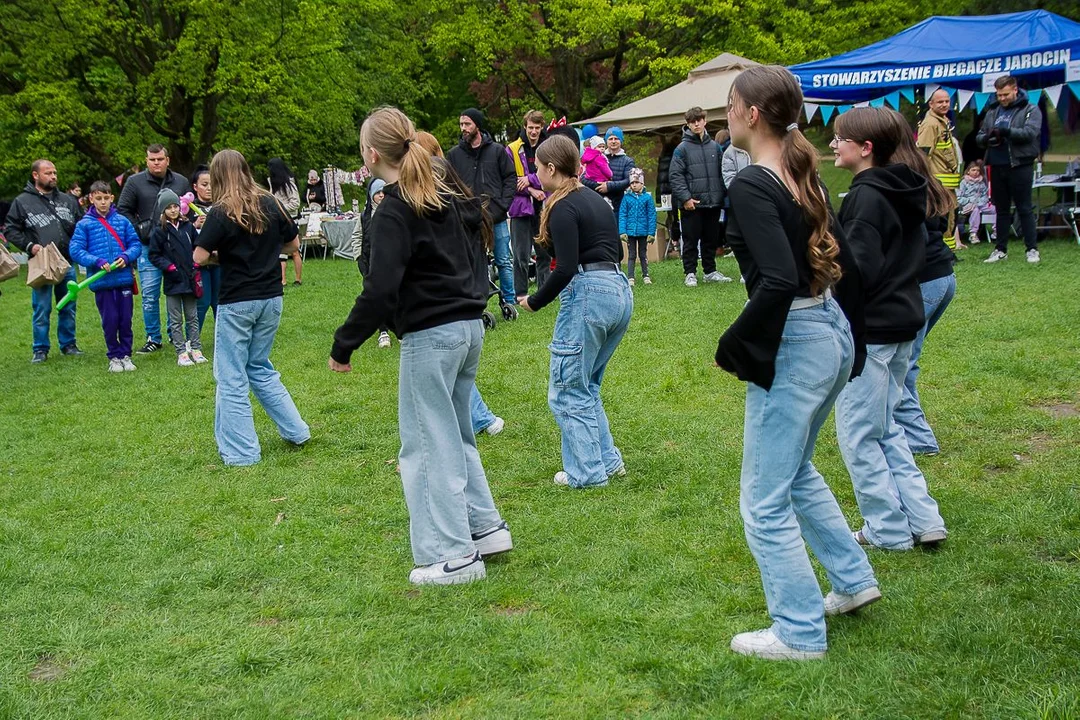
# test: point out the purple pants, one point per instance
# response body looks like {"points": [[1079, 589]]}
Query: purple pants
{"points": [[115, 308]]}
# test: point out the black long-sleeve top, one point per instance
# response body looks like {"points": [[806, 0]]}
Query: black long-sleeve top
{"points": [[583, 230], [426, 270], [769, 234]]}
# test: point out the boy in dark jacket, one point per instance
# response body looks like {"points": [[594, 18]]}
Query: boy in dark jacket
{"points": [[106, 240], [697, 188], [171, 247], [637, 224]]}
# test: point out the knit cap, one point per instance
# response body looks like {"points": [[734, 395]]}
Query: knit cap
{"points": [[165, 198], [637, 175], [614, 130], [475, 115]]}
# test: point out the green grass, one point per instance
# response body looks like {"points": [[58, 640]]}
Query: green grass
{"points": [[139, 578]]}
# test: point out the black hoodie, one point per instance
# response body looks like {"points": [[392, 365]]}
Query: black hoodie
{"points": [[884, 219], [37, 219], [489, 172], [426, 270]]}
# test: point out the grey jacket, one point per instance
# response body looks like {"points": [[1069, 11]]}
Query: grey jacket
{"points": [[734, 161], [695, 171], [1022, 135]]}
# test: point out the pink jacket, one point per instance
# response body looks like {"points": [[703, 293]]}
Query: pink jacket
{"points": [[595, 165]]}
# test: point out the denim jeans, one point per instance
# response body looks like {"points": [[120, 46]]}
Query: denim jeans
{"points": [[783, 499], [41, 302], [150, 292], [936, 296], [504, 263], [890, 489], [446, 490], [481, 415], [211, 277], [594, 312], [243, 337]]}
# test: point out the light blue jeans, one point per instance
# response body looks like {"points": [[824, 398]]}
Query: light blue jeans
{"points": [[504, 262], [41, 302], [150, 291], [594, 312], [481, 415], [446, 489], [211, 277], [890, 489], [243, 337], [936, 296], [783, 498]]}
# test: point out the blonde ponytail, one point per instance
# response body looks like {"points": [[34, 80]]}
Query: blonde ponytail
{"points": [[392, 134]]}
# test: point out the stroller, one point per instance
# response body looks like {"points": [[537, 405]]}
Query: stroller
{"points": [[509, 312]]}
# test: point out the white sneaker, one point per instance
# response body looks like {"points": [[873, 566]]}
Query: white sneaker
{"points": [[933, 537], [764, 644], [451, 572], [631, 281], [494, 540], [384, 340], [1033, 256], [996, 256], [691, 280], [128, 365], [647, 280], [618, 472], [974, 239], [184, 360], [496, 427], [716, 277], [561, 478], [116, 365], [839, 603], [198, 357]]}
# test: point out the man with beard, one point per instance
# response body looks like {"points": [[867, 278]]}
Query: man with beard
{"points": [[487, 169], [42, 215], [525, 208]]}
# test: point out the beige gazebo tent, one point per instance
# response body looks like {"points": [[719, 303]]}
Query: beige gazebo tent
{"points": [[707, 86]]}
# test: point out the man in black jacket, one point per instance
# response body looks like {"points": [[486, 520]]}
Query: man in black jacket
{"points": [[697, 188], [137, 200], [42, 215], [488, 170], [1010, 133]]}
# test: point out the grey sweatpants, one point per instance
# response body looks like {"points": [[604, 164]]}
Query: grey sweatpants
{"points": [[182, 311]]}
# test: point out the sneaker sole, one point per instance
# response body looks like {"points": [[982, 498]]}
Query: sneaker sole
{"points": [[788, 654], [934, 537], [459, 578], [859, 600]]}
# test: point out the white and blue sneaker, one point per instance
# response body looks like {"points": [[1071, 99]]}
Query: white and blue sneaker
{"points": [[494, 540], [451, 572]]}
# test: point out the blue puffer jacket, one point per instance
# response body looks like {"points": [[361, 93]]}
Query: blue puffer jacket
{"points": [[92, 245], [637, 214]]}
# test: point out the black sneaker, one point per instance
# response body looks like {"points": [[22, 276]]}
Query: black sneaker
{"points": [[40, 356], [72, 350], [149, 347]]}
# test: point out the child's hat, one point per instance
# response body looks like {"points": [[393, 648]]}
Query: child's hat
{"points": [[377, 186], [165, 198], [596, 142], [637, 175]]}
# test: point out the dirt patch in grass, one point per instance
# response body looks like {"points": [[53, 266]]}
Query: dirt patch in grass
{"points": [[267, 622], [48, 669], [512, 610], [1060, 411], [1041, 443]]}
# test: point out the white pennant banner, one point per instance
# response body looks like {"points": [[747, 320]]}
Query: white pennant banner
{"points": [[811, 110], [863, 104], [1053, 93], [963, 97], [929, 90]]}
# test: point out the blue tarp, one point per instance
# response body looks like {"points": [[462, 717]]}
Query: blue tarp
{"points": [[1036, 45]]}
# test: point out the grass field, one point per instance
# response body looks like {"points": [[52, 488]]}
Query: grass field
{"points": [[139, 578]]}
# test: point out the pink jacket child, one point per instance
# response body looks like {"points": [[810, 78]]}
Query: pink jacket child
{"points": [[594, 164]]}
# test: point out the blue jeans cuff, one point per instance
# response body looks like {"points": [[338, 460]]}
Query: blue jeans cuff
{"points": [[803, 647], [242, 461], [872, 582]]}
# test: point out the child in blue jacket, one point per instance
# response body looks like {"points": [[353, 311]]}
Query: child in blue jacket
{"points": [[637, 224], [105, 239]]}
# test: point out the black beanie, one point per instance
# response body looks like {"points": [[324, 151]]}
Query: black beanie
{"points": [[475, 115]]}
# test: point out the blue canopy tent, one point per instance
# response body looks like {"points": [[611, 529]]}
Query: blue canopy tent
{"points": [[965, 53]]}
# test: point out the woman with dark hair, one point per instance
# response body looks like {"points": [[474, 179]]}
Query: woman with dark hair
{"points": [[595, 303], [426, 278], [248, 229], [283, 187], [884, 218], [211, 274], [794, 347]]}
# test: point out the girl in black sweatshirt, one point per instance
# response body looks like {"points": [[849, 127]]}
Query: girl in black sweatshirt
{"points": [[793, 344], [884, 218], [427, 283]]}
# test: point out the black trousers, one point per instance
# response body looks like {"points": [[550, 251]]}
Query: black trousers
{"points": [[1010, 185], [700, 226]]}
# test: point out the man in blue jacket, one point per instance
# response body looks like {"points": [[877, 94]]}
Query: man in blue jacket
{"points": [[697, 188], [1010, 133]]}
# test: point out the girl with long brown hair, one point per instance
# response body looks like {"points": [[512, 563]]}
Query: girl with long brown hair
{"points": [[427, 283], [595, 304], [884, 218], [794, 346], [247, 228]]}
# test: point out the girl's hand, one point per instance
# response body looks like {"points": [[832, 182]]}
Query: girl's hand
{"points": [[339, 367], [524, 303]]}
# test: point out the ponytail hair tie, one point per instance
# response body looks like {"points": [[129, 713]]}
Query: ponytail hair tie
{"points": [[408, 141], [793, 126]]}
